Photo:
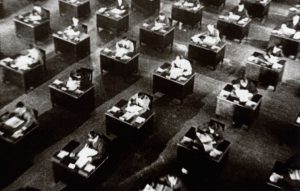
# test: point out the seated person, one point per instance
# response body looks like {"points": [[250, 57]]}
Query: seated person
{"points": [[275, 51], [124, 47], [208, 142], [25, 113], [294, 23], [74, 81], [140, 99], [35, 54], [180, 67], [288, 174], [211, 37], [37, 13], [93, 150], [122, 5], [189, 4], [244, 84], [240, 10], [75, 30], [161, 22]]}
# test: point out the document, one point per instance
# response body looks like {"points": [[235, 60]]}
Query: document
{"points": [[133, 109], [114, 109], [62, 154], [89, 168], [14, 122], [140, 120]]}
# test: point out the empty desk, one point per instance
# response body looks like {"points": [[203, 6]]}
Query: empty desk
{"points": [[79, 100], [260, 70], [113, 21], [187, 15], [78, 9], [257, 9], [177, 88], [207, 55], [32, 30], [124, 66], [158, 39], [146, 6], [233, 29], [79, 48]]}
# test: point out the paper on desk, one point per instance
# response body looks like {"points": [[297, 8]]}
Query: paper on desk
{"points": [[127, 116], [294, 174], [215, 153], [234, 17], [148, 188], [62, 154], [133, 109], [243, 95], [175, 73], [277, 66], [125, 57], [250, 103], [89, 168], [117, 11], [102, 10], [275, 177], [208, 147], [204, 138], [298, 120], [224, 93], [182, 78], [160, 70], [87, 152], [14, 122], [71, 166], [17, 134], [8, 59], [114, 109], [57, 82], [140, 120], [297, 36]]}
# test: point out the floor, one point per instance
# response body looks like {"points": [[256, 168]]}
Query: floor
{"points": [[252, 154]]}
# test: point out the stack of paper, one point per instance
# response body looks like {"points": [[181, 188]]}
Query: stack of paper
{"points": [[89, 168], [294, 174], [127, 116], [215, 153], [275, 177], [133, 109], [14, 122], [62, 154], [140, 120], [114, 109]]}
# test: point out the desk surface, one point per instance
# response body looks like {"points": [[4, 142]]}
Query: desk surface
{"points": [[189, 9], [163, 75], [76, 4], [221, 45], [224, 19], [260, 63], [109, 14], [287, 37], [111, 55], [83, 37], [70, 93], [32, 67], [122, 105], [23, 19], [147, 28]]}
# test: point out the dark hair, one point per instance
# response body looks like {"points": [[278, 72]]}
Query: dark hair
{"points": [[93, 134], [20, 104]]}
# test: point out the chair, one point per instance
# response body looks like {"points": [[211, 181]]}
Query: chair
{"points": [[86, 77], [85, 28]]}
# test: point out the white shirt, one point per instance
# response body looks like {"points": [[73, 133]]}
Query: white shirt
{"points": [[182, 64]]}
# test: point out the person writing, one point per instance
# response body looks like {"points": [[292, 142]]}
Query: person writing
{"points": [[140, 99], [124, 47], [211, 37], [180, 67], [25, 113]]}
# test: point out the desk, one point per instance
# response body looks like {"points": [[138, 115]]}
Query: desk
{"points": [[79, 49], [293, 11], [157, 39], [111, 22], [78, 10], [205, 55], [290, 45], [259, 72], [128, 128], [110, 63], [233, 30], [25, 79], [174, 88], [32, 31], [214, 3], [193, 159], [7, 132], [149, 6], [256, 9], [62, 171], [187, 15], [78, 102], [230, 109]]}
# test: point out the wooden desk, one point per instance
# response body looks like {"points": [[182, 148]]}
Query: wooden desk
{"points": [[148, 6], [80, 49], [187, 15], [78, 10], [256, 9], [110, 22], [230, 109], [7, 132], [259, 72], [110, 63], [25, 79], [62, 171], [290, 46], [193, 159], [174, 88], [32, 31], [77, 102], [214, 3], [233, 30], [128, 129], [157, 39], [205, 55]]}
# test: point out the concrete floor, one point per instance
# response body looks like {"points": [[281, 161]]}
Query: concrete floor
{"points": [[252, 153]]}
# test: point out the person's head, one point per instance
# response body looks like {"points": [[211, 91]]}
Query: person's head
{"points": [[296, 18], [162, 16], [141, 95], [92, 136], [75, 21], [243, 76], [278, 46], [210, 27], [241, 5], [20, 108]]}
